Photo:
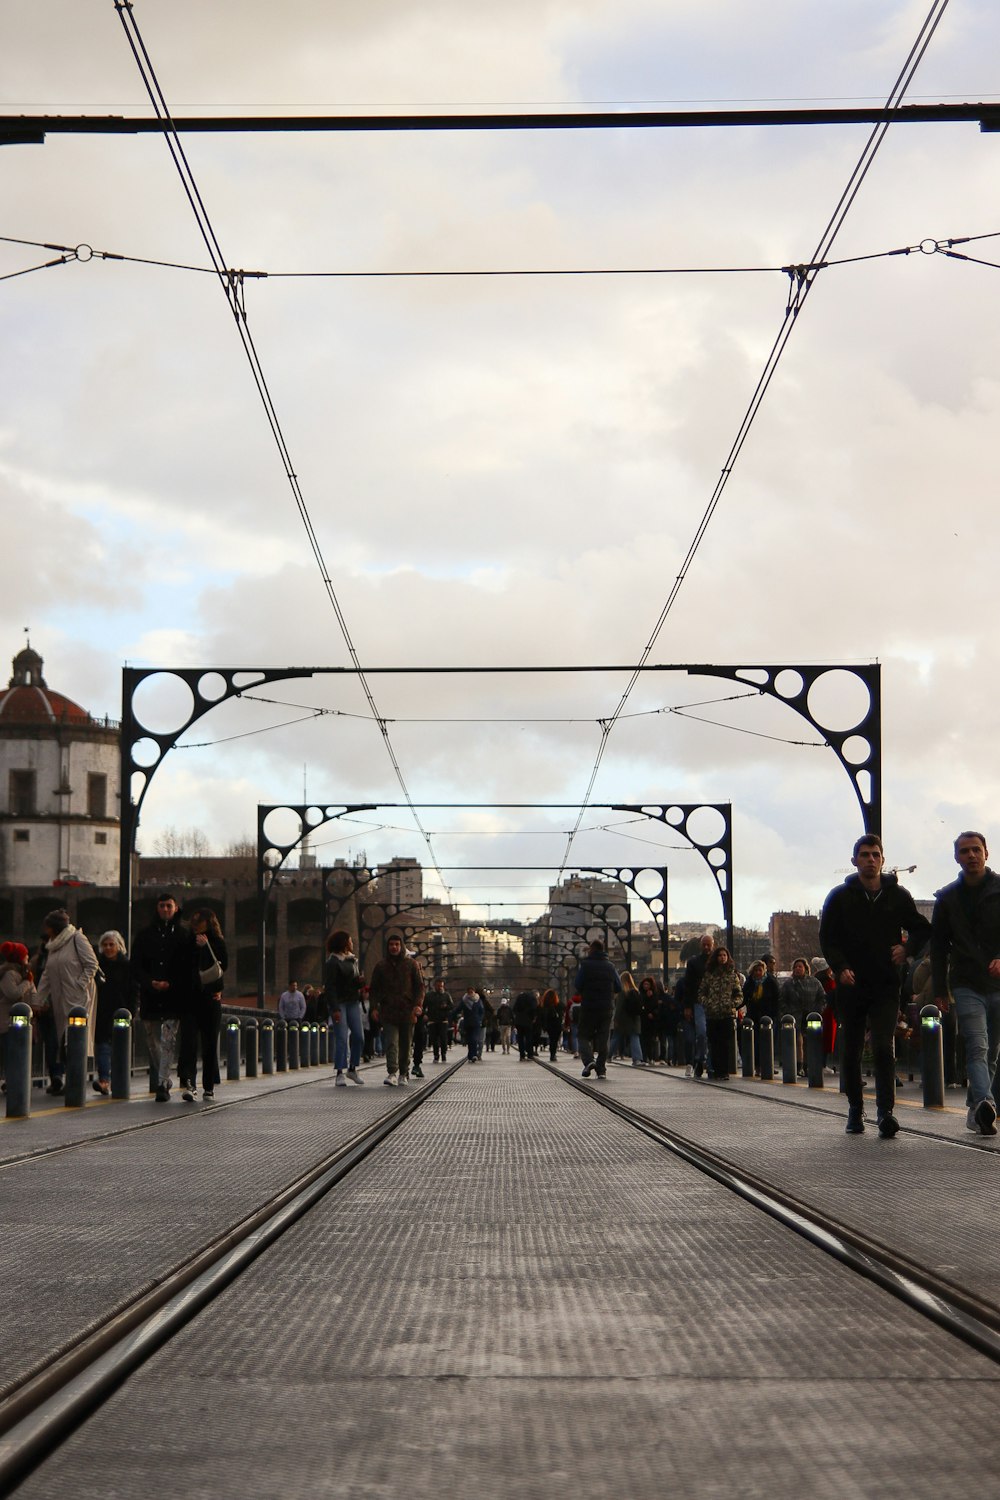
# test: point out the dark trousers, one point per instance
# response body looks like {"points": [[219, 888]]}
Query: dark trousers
{"points": [[201, 1028], [859, 1011], [720, 1034], [474, 1041], [440, 1035], [594, 1030], [419, 1041], [526, 1041], [554, 1043]]}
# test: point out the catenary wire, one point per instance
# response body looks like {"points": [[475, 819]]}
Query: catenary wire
{"points": [[231, 286], [799, 289]]}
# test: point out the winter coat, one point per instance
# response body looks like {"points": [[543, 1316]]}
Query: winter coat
{"points": [[115, 991], [858, 933], [626, 1020], [397, 989], [597, 983], [343, 981], [720, 992], [965, 936], [68, 979], [525, 1010], [166, 951], [205, 961], [15, 986], [800, 996], [471, 1010]]}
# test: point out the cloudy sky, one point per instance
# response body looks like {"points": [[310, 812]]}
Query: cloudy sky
{"points": [[509, 470]]}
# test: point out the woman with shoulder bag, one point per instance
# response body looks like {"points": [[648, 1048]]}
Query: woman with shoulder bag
{"points": [[343, 983], [205, 1022], [66, 981]]}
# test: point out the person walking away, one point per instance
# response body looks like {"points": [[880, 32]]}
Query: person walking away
{"points": [[67, 981], [552, 1020], [437, 1010], [626, 1018], [165, 967], [868, 927], [343, 982], [397, 992], [597, 983], [470, 1011], [525, 1011], [965, 956], [115, 991], [203, 1022]]}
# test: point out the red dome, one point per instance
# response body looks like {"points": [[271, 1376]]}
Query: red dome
{"points": [[29, 701]]}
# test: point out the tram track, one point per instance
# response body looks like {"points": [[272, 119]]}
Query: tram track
{"points": [[51, 1400], [967, 1317]]}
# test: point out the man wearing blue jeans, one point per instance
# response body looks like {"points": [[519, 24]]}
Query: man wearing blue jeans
{"points": [[965, 956]]}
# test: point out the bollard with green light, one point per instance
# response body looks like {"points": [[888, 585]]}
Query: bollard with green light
{"points": [[267, 1045], [814, 1049], [233, 1049], [19, 1062], [121, 1054], [293, 1046]]}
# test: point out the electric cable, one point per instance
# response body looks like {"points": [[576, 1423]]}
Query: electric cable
{"points": [[232, 287], [801, 283]]}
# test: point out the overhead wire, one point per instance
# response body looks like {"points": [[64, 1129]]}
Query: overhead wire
{"points": [[801, 282], [231, 284]]}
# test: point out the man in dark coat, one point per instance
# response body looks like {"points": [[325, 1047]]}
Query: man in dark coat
{"points": [[437, 1011], [165, 966], [397, 991], [965, 957], [869, 927], [597, 983]]}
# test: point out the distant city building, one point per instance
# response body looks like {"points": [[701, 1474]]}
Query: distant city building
{"points": [[401, 881], [793, 935], [59, 785]]}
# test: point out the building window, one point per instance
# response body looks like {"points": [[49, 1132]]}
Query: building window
{"points": [[22, 835], [22, 794], [97, 794], [100, 838]]}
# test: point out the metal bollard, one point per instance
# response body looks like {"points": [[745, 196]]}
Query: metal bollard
{"points": [[280, 1046], [766, 1050], [314, 1044], [746, 1049], [76, 1058], [233, 1049], [267, 1046], [303, 1044], [814, 1049], [324, 1043], [19, 1062], [932, 1057], [250, 1047], [733, 1049], [789, 1049], [121, 1054], [293, 1046]]}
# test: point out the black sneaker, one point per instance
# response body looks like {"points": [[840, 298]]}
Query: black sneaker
{"points": [[986, 1117], [188, 1093], [162, 1093], [699, 1069], [855, 1120], [888, 1125], [417, 1072], [587, 1070], [56, 1087]]}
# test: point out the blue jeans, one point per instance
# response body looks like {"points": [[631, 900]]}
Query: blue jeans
{"points": [[979, 1023], [350, 1022], [102, 1057], [696, 1035]]}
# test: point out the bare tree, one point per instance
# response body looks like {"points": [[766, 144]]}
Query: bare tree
{"points": [[181, 843], [242, 848]]}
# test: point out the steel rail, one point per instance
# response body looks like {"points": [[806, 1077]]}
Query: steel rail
{"points": [[42, 1411], [959, 1312]]}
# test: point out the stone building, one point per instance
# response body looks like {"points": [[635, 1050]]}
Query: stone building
{"points": [[59, 791], [794, 934]]}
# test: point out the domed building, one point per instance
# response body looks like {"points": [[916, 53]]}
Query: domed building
{"points": [[59, 786]]}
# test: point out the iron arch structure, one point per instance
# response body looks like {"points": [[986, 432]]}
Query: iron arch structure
{"points": [[146, 742]]}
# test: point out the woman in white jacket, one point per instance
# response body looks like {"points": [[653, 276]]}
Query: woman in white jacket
{"points": [[67, 980]]}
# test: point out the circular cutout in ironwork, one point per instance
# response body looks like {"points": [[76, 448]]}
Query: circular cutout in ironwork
{"points": [[856, 749], [163, 703], [705, 826], [212, 686], [839, 699], [145, 752], [648, 883], [789, 684], [282, 827]]}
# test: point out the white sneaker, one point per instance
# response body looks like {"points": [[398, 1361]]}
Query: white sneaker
{"points": [[340, 1081], [354, 1076], [403, 1080], [689, 1071], [390, 1080]]}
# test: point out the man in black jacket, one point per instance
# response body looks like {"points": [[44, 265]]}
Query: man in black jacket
{"points": [[965, 955], [597, 983], [868, 928]]}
